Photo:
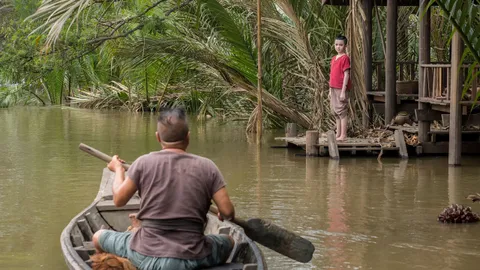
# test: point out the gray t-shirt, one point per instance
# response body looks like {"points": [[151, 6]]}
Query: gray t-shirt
{"points": [[174, 186]]}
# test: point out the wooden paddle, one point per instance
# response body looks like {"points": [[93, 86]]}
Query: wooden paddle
{"points": [[275, 238], [259, 230], [94, 152]]}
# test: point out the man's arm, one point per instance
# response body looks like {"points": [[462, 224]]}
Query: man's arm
{"points": [[225, 206], [122, 189]]}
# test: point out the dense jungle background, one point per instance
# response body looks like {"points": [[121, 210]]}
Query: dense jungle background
{"points": [[140, 55]]}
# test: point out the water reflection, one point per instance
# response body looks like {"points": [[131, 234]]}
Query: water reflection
{"points": [[454, 176], [336, 215]]}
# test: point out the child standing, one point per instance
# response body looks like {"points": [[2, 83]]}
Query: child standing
{"points": [[339, 85]]}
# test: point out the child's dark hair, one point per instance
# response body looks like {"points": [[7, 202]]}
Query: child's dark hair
{"points": [[342, 37]]}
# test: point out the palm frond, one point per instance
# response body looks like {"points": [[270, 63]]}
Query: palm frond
{"points": [[241, 52], [55, 14], [465, 17]]}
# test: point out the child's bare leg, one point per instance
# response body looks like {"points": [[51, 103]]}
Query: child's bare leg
{"points": [[339, 127], [343, 129]]}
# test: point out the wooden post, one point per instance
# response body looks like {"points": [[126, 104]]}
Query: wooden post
{"points": [[390, 68], [400, 143], [259, 71], [367, 54], [291, 130], [424, 58], [332, 145], [455, 131], [311, 143]]}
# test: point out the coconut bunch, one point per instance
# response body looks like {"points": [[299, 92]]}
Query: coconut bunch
{"points": [[456, 213]]}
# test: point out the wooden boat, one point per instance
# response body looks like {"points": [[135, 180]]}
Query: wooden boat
{"points": [[77, 236]]}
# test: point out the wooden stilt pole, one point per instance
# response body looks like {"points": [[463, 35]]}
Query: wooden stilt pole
{"points": [[455, 132], [291, 130], [424, 58], [390, 68], [311, 143], [332, 145], [259, 71], [400, 143]]}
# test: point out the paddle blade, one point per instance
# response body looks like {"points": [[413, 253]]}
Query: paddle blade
{"points": [[279, 239]]}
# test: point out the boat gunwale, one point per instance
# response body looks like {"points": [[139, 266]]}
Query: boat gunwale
{"points": [[70, 254]]}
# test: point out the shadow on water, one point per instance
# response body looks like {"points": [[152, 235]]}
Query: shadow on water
{"points": [[358, 212]]}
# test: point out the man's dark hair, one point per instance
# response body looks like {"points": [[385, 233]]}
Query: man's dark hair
{"points": [[341, 37], [172, 125]]}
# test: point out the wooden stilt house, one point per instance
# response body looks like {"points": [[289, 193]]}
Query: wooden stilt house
{"points": [[433, 90]]}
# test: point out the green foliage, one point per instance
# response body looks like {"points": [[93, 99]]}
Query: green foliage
{"points": [[465, 17]]}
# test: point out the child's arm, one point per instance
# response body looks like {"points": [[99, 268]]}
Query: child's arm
{"points": [[346, 77]]}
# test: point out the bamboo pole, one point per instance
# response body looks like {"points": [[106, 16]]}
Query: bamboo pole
{"points": [[259, 71], [367, 54]]}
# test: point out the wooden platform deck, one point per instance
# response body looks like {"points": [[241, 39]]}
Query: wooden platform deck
{"points": [[414, 130], [327, 143], [379, 96]]}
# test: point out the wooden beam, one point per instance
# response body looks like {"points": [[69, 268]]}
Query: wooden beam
{"points": [[332, 145], [445, 119], [400, 143], [85, 229], [95, 220], [390, 67], [442, 148], [367, 54], [132, 204], [437, 107], [291, 130], [311, 143], [424, 58], [455, 134], [427, 115]]}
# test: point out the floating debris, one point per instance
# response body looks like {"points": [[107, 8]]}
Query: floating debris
{"points": [[456, 213], [473, 197]]}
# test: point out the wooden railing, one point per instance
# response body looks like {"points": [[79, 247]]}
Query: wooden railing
{"points": [[405, 71], [437, 81]]}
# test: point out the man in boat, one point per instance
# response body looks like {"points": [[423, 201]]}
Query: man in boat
{"points": [[176, 189]]}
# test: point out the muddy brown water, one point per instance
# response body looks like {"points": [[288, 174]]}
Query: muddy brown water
{"points": [[358, 212]]}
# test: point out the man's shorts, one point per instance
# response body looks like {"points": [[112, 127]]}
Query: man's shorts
{"points": [[118, 243]]}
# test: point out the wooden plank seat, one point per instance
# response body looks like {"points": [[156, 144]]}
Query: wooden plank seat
{"points": [[108, 205], [227, 266]]}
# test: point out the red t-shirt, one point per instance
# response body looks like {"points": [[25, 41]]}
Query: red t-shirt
{"points": [[337, 69]]}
